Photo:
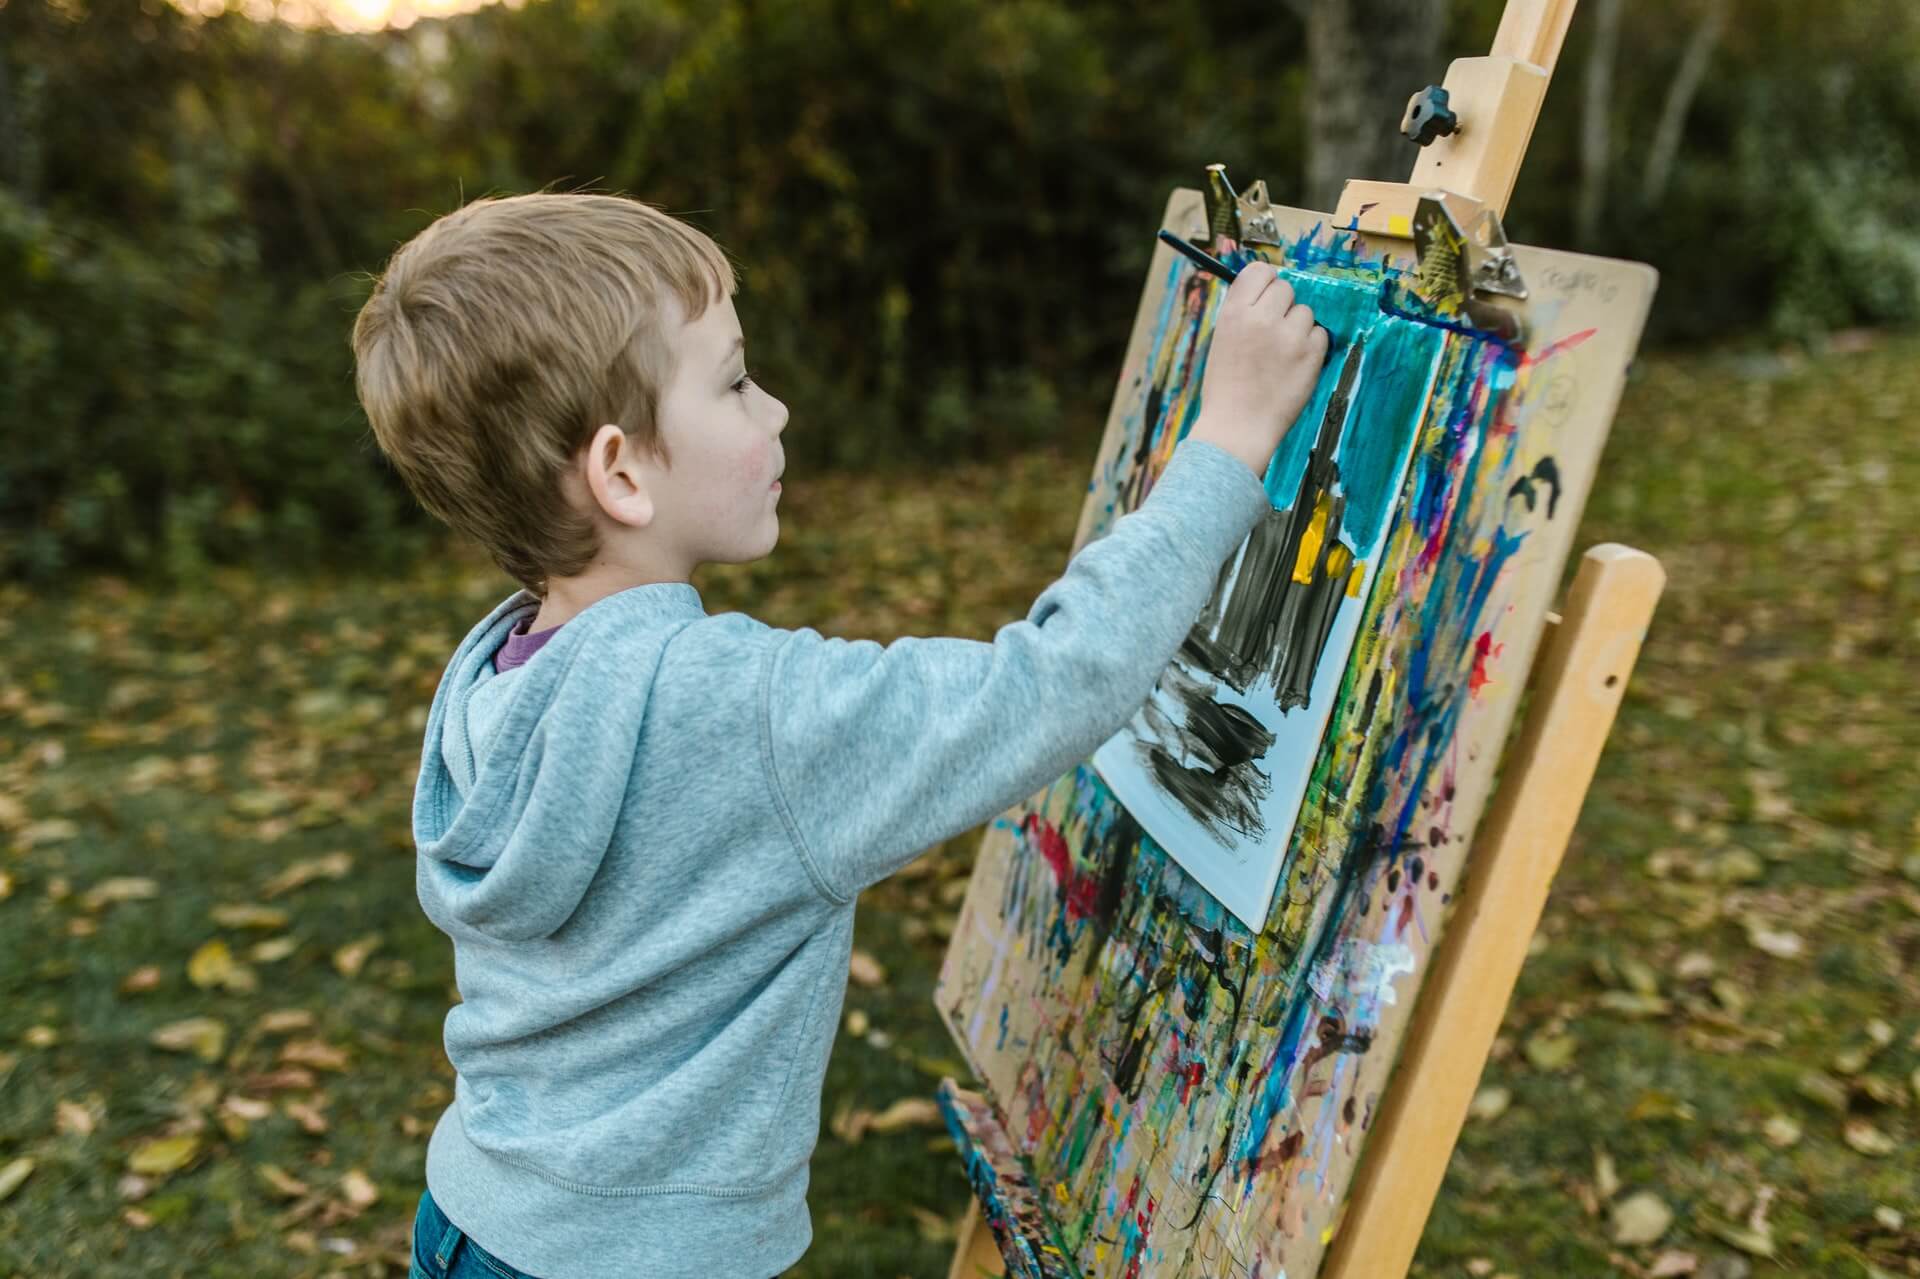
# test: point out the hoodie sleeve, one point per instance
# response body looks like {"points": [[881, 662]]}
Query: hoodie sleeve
{"points": [[877, 752]]}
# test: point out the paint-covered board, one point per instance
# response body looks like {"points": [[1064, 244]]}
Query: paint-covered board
{"points": [[1216, 763], [1189, 1094]]}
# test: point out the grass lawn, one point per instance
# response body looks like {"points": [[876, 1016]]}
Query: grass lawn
{"points": [[220, 1005]]}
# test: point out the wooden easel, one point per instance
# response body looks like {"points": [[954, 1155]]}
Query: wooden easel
{"points": [[1577, 679]]}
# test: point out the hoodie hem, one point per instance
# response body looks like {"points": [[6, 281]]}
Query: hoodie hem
{"points": [[538, 1224]]}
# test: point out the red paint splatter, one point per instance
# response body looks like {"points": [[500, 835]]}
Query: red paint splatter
{"points": [[1483, 648], [1561, 347], [1081, 890], [1194, 1072]]}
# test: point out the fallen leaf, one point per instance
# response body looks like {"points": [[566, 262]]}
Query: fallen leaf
{"points": [[1882, 1090], [865, 969], [12, 1174], [253, 1108], [317, 1053], [286, 1079], [1868, 1140], [261, 802], [307, 1115], [1781, 943], [40, 1036], [119, 889], [284, 1020], [1490, 1103], [1606, 1179], [1694, 965], [1823, 1090], [849, 1122], [1672, 1263], [140, 980], [273, 949], [856, 1023], [160, 1156], [280, 1182], [1550, 1050], [1641, 1218], [249, 915], [73, 1117], [213, 965], [1656, 1103], [906, 1113], [1780, 1131], [352, 957], [328, 866], [1755, 1243], [1631, 1003], [359, 1189], [1732, 995], [204, 1037]]}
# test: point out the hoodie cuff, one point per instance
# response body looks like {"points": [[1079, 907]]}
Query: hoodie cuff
{"points": [[1215, 500]]}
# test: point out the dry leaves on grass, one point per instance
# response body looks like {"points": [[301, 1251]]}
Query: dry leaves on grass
{"points": [[851, 1123]]}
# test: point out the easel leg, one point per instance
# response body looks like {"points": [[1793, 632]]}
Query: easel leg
{"points": [[1579, 678], [976, 1255]]}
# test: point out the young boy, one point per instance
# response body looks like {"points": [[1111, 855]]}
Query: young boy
{"points": [[645, 827]]}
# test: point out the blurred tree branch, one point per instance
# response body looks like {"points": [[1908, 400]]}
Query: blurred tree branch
{"points": [[1679, 100], [1596, 133]]}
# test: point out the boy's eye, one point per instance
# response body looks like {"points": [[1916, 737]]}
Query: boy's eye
{"points": [[746, 380]]}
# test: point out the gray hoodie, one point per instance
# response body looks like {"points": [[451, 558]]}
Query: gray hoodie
{"points": [[646, 844]]}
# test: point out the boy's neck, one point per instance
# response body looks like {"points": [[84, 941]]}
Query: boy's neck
{"points": [[567, 597]]}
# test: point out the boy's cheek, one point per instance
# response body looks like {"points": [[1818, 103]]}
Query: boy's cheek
{"points": [[754, 467]]}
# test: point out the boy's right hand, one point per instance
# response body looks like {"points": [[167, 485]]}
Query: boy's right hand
{"points": [[1262, 366]]}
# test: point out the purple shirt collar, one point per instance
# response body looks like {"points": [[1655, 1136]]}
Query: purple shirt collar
{"points": [[520, 646]]}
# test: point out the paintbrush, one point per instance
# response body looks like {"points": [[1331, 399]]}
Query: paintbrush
{"points": [[1204, 260]]}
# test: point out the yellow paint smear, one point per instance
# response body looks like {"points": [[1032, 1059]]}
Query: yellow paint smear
{"points": [[1310, 543]]}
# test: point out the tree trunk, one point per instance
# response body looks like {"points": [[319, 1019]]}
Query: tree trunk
{"points": [[1596, 120], [1365, 59], [1680, 92]]}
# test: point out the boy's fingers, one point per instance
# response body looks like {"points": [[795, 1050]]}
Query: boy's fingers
{"points": [[1253, 281]]}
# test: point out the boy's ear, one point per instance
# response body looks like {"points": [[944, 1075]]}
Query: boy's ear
{"points": [[617, 478]]}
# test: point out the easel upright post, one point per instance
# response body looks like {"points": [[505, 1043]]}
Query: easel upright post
{"points": [[1579, 679]]}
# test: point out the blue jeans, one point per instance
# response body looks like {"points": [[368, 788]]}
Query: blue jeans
{"points": [[441, 1250]]}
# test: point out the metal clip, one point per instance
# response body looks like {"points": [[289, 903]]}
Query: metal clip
{"points": [[1257, 224], [1458, 263], [1223, 211]]}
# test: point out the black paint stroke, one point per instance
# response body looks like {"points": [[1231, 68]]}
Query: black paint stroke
{"points": [[1223, 787], [1262, 620], [1544, 472]]}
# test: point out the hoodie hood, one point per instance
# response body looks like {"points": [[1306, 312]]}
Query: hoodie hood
{"points": [[523, 772]]}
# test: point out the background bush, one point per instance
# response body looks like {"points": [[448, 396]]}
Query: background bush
{"points": [[942, 209]]}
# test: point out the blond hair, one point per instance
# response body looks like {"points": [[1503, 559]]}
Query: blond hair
{"points": [[499, 338]]}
